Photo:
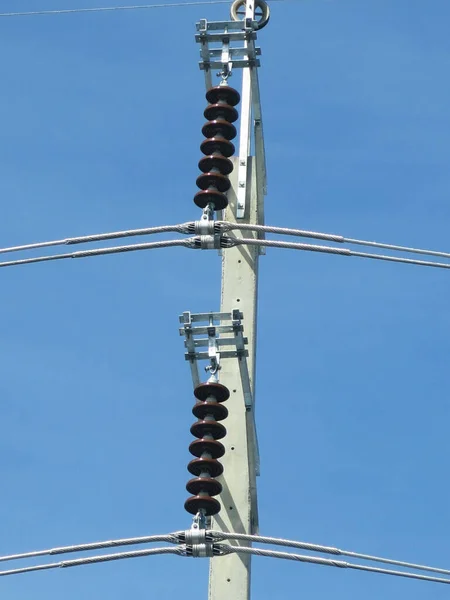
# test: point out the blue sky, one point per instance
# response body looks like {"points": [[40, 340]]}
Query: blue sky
{"points": [[101, 123]]}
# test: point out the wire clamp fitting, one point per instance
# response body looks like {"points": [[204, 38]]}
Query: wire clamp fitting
{"points": [[198, 542], [210, 242], [205, 227]]}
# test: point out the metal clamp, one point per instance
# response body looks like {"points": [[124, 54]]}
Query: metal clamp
{"points": [[199, 544], [218, 347], [218, 49]]}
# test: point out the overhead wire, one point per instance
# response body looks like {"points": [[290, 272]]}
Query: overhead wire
{"points": [[217, 536], [329, 237], [227, 549], [174, 538], [226, 242], [258, 539], [225, 226], [331, 250], [180, 550], [100, 237], [170, 537], [188, 242], [110, 8], [219, 550]]}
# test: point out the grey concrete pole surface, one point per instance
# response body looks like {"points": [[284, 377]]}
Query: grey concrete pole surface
{"points": [[230, 575]]}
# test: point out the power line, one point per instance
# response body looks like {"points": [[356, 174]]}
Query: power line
{"points": [[226, 549], [171, 537], [112, 8], [101, 251], [217, 536], [220, 535], [222, 226], [98, 237], [196, 242], [331, 250], [330, 237], [115, 8], [218, 549], [77, 562]]}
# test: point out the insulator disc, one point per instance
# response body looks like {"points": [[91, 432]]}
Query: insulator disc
{"points": [[222, 164], [217, 144], [221, 111], [209, 505], [205, 465], [219, 391], [218, 411], [221, 127], [223, 93], [204, 484], [202, 428], [216, 180], [198, 447], [202, 199]]}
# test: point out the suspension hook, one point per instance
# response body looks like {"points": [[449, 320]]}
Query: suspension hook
{"points": [[225, 73], [199, 521], [214, 367]]}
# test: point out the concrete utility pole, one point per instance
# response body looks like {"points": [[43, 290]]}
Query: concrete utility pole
{"points": [[226, 46], [230, 576]]}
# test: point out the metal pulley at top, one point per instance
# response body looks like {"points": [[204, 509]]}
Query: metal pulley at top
{"points": [[262, 12]]}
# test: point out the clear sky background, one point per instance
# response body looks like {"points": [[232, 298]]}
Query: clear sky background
{"points": [[101, 126]]}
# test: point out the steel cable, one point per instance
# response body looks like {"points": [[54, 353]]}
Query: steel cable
{"points": [[220, 535], [170, 537], [103, 9], [330, 237], [101, 237], [227, 549], [180, 550], [110, 8], [223, 226], [330, 250], [188, 242], [197, 242]]}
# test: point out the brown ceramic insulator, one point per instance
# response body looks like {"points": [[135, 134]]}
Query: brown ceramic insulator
{"points": [[207, 485], [217, 144], [221, 111], [219, 391], [198, 447], [210, 506], [222, 164], [223, 93], [202, 199], [213, 428], [213, 180], [205, 465], [220, 127], [202, 409]]}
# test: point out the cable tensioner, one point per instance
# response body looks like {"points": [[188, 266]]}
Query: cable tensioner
{"points": [[209, 410], [218, 131]]}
